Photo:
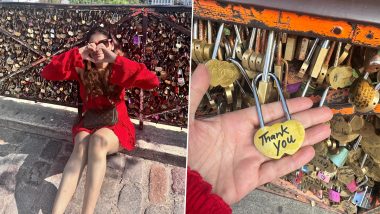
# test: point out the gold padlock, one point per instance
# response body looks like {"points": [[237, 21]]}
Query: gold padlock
{"points": [[363, 95]]}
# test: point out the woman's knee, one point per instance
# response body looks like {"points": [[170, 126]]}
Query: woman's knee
{"points": [[81, 144], [98, 145]]}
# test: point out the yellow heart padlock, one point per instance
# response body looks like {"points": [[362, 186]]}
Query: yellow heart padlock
{"points": [[281, 138]]}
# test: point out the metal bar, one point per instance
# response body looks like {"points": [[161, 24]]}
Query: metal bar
{"points": [[166, 111], [2, 30], [356, 33], [144, 38], [43, 59], [364, 11], [268, 54]]}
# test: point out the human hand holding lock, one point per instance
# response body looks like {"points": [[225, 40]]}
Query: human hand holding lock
{"points": [[221, 148]]}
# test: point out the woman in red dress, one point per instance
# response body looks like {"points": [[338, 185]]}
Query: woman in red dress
{"points": [[103, 80]]}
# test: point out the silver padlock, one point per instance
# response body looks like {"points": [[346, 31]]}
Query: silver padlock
{"points": [[363, 198]]}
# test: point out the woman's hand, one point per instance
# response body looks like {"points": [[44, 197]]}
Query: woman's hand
{"points": [[97, 54], [107, 54], [221, 148], [87, 51]]}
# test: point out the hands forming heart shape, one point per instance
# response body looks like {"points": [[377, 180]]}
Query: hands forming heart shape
{"points": [[97, 53]]}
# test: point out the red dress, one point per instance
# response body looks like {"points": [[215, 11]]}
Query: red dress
{"points": [[125, 73], [199, 198]]}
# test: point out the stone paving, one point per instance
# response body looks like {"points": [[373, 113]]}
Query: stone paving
{"points": [[31, 167]]}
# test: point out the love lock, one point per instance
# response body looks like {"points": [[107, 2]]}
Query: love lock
{"points": [[363, 198], [281, 138], [341, 157], [363, 95]]}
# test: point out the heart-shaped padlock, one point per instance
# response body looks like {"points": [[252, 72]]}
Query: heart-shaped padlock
{"points": [[281, 138], [363, 95]]}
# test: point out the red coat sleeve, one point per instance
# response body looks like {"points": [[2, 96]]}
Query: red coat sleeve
{"points": [[62, 66], [199, 198], [128, 73]]}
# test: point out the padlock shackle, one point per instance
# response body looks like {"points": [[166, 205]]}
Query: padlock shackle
{"points": [[237, 33], [272, 53], [209, 32], [325, 43], [337, 55], [241, 88], [267, 57], [252, 39], [242, 71], [217, 41], [235, 47], [306, 87], [195, 30], [364, 160], [311, 52], [324, 95], [281, 95], [377, 87], [363, 182]]}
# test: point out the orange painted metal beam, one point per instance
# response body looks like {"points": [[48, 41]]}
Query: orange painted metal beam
{"points": [[358, 34]]}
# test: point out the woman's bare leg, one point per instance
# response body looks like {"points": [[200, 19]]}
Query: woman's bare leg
{"points": [[72, 172], [102, 142]]}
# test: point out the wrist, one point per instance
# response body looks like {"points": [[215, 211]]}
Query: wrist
{"points": [[81, 50], [113, 58]]}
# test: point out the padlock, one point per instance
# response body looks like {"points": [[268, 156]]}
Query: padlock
{"points": [[306, 63], [222, 72], [209, 47], [253, 57], [361, 184], [364, 96], [281, 138], [278, 67], [320, 59], [302, 48], [240, 46], [340, 76], [325, 178], [195, 42], [265, 85], [290, 47], [181, 79], [340, 158], [374, 64], [247, 54], [334, 195], [325, 66], [364, 198], [249, 51], [346, 51]]}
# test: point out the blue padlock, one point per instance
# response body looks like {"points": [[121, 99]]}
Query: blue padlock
{"points": [[363, 198], [340, 158], [305, 169]]}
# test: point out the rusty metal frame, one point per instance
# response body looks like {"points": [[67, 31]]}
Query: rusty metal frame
{"points": [[351, 32]]}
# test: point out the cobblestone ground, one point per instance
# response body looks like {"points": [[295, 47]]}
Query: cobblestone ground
{"points": [[31, 168]]}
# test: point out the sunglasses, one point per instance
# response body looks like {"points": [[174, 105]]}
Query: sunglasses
{"points": [[105, 42]]}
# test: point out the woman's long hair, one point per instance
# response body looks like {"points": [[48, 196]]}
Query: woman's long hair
{"points": [[96, 80]]}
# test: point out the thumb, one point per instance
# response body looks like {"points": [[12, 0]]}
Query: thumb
{"points": [[200, 81]]}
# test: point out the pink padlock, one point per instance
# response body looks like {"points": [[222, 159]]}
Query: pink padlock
{"points": [[334, 196], [352, 186], [323, 177]]}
